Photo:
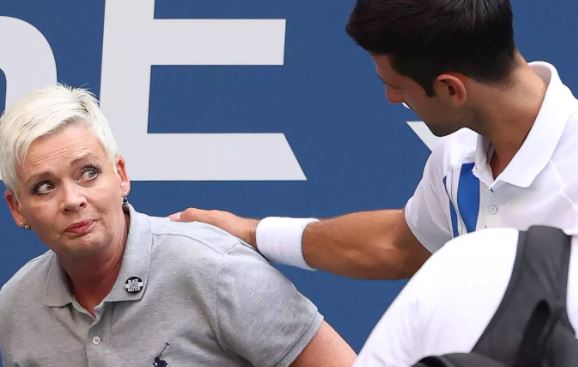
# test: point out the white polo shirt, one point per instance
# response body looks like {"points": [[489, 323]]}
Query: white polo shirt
{"points": [[458, 193], [448, 303]]}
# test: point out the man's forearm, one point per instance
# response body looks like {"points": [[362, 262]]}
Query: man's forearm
{"points": [[369, 245]]}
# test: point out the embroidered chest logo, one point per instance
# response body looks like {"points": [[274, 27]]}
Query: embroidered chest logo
{"points": [[158, 362]]}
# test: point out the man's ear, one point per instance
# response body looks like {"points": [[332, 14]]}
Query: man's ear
{"points": [[453, 87], [14, 206], [123, 175]]}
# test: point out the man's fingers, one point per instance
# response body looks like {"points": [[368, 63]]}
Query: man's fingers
{"points": [[192, 215], [244, 228], [188, 215]]}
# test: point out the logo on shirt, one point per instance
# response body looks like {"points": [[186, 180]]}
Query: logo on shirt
{"points": [[133, 284], [158, 362]]}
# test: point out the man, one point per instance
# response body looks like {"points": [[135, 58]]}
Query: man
{"points": [[454, 63], [450, 301]]}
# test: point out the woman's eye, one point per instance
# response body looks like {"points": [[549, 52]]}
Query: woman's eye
{"points": [[43, 188], [89, 173]]}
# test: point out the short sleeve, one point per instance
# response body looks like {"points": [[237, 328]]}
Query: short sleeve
{"points": [[447, 304], [261, 315], [394, 342], [426, 212]]}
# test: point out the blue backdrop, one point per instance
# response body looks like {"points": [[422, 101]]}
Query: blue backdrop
{"points": [[355, 150]]}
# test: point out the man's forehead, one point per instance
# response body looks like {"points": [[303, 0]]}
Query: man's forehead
{"points": [[383, 67]]}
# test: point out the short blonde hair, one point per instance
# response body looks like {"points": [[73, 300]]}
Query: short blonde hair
{"points": [[44, 112]]}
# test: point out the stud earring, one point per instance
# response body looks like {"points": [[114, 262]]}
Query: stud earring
{"points": [[26, 227], [124, 200]]}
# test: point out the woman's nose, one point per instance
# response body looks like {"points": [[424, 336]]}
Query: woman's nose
{"points": [[73, 197]]}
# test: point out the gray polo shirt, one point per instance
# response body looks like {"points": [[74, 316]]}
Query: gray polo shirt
{"points": [[188, 294]]}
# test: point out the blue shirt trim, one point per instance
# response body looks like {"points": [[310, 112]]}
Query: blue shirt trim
{"points": [[469, 196], [453, 214]]}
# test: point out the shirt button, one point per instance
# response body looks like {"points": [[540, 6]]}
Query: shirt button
{"points": [[96, 340], [492, 209]]}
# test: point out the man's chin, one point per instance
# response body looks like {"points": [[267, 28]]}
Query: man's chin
{"points": [[441, 131]]}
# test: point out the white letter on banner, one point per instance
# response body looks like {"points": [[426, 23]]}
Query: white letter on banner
{"points": [[423, 133], [134, 41], [26, 59]]}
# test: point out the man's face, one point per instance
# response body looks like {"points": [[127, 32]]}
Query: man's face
{"points": [[70, 194], [436, 113]]}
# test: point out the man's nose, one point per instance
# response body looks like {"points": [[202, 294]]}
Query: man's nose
{"points": [[393, 95]]}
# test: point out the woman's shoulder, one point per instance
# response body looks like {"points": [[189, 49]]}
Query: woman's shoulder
{"points": [[200, 237], [201, 252], [29, 279]]}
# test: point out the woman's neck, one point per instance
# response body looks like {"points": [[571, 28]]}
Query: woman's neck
{"points": [[93, 277]]}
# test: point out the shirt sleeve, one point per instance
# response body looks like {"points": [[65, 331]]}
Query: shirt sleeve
{"points": [[427, 211], [447, 304], [395, 339], [261, 315]]}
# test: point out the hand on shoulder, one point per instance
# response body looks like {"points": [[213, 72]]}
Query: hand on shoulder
{"points": [[244, 228]]}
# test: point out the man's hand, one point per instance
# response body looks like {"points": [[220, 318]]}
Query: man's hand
{"points": [[244, 228]]}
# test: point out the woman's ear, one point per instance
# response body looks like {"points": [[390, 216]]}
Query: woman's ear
{"points": [[14, 206], [123, 175], [452, 87]]}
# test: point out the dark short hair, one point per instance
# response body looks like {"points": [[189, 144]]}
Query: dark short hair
{"points": [[425, 38]]}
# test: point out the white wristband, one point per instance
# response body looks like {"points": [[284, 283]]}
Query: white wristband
{"points": [[279, 240]]}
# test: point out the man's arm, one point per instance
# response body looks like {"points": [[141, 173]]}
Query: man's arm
{"points": [[326, 348], [370, 245]]}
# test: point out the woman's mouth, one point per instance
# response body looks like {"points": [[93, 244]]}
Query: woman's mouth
{"points": [[81, 227]]}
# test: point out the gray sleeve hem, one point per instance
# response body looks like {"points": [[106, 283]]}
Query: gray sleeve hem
{"points": [[300, 344]]}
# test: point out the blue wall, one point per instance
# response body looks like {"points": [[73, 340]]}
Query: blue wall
{"points": [[354, 148]]}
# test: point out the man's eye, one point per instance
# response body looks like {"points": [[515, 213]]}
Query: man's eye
{"points": [[43, 188], [89, 173]]}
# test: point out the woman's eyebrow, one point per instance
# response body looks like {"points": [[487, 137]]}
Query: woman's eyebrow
{"points": [[37, 176], [84, 157]]}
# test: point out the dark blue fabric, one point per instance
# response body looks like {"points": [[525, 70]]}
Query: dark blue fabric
{"points": [[469, 196]]}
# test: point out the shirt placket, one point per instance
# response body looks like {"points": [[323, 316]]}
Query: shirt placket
{"points": [[98, 340]]}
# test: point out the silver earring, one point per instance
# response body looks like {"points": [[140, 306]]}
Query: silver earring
{"points": [[26, 227], [124, 201]]}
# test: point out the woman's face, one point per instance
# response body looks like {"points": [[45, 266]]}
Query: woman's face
{"points": [[70, 194]]}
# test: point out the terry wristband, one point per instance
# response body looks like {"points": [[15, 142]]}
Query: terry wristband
{"points": [[279, 240]]}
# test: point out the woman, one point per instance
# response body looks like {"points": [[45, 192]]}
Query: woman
{"points": [[121, 288]]}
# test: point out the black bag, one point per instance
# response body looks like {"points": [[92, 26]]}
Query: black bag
{"points": [[531, 326]]}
